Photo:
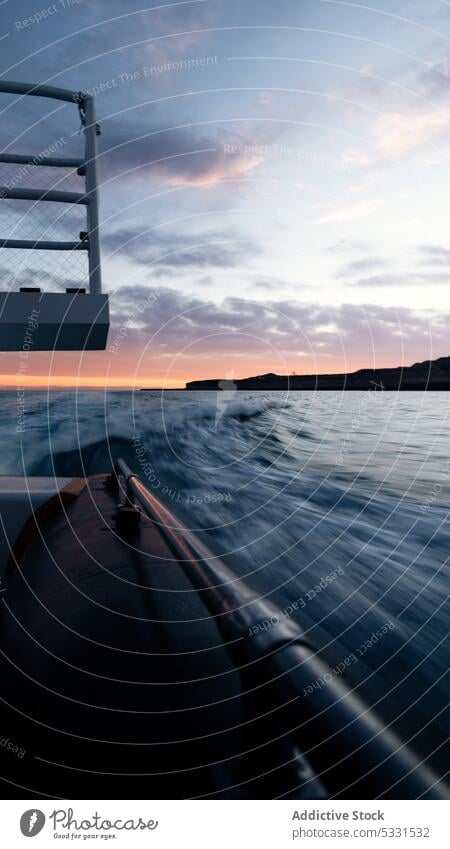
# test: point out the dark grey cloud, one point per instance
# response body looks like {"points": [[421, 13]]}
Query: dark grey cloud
{"points": [[413, 279], [135, 148], [175, 251], [162, 152], [376, 280], [433, 81], [132, 146], [89, 45], [171, 321], [73, 37], [270, 284], [359, 266], [434, 255]]}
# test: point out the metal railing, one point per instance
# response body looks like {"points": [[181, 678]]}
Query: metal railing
{"points": [[350, 750], [86, 167]]}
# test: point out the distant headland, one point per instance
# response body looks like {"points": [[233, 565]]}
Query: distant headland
{"points": [[431, 375]]}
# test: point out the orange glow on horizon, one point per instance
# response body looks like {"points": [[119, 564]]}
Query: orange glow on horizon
{"points": [[85, 371], [171, 380], [8, 381]]}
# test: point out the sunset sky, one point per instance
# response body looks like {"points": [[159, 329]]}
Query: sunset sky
{"points": [[274, 181]]}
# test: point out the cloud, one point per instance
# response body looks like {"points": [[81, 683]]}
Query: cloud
{"points": [[175, 252], [412, 103], [402, 132], [270, 284], [174, 322], [81, 31], [434, 255], [348, 245], [398, 134], [361, 265], [394, 280], [218, 168], [377, 280], [175, 157], [99, 54], [433, 81], [349, 212]]}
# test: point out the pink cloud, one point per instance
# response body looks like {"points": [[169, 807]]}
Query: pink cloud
{"points": [[223, 166], [396, 134], [401, 132], [349, 212]]}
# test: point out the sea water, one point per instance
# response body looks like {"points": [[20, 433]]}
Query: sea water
{"points": [[335, 506]]}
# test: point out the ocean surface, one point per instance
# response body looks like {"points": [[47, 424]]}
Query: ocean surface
{"points": [[335, 506]]}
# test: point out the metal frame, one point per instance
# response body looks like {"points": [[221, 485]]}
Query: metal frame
{"points": [[29, 244], [86, 168], [48, 161], [351, 751]]}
